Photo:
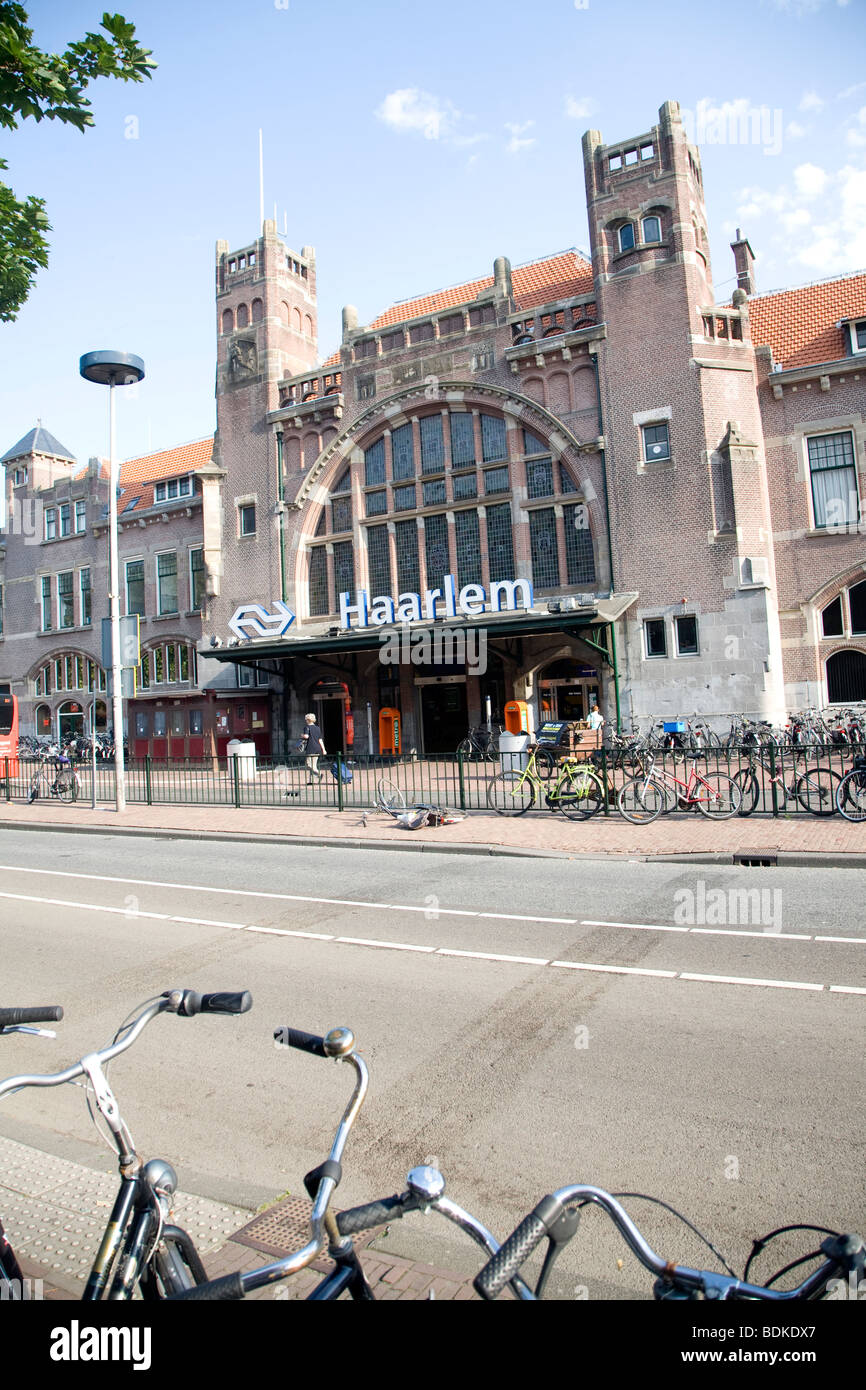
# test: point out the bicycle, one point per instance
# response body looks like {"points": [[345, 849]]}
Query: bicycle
{"points": [[141, 1250], [815, 789], [645, 798], [18, 1021], [556, 1217], [66, 784], [851, 792], [578, 791], [481, 743], [391, 801]]}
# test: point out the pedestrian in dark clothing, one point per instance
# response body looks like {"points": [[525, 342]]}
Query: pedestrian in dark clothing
{"points": [[313, 747]]}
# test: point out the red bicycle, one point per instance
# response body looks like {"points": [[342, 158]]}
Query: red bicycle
{"points": [[653, 793]]}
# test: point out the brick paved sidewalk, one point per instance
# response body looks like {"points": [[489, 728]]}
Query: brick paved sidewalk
{"points": [[535, 833]]}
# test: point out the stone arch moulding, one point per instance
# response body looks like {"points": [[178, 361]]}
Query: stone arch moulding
{"points": [[852, 574], [523, 411]]}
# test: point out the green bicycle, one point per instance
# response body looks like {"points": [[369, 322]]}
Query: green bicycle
{"points": [[578, 791]]}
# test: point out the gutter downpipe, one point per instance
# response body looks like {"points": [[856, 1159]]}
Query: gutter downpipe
{"points": [[612, 626], [281, 496]]}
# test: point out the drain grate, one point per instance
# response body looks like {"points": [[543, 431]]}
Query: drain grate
{"points": [[756, 860], [286, 1227]]}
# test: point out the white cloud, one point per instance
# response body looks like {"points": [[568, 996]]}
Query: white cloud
{"points": [[579, 109], [810, 101], [818, 223], [810, 181], [856, 136], [411, 110], [516, 144], [850, 91], [795, 131]]}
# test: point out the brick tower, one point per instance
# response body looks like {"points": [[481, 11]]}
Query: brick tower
{"points": [[267, 328], [682, 427]]}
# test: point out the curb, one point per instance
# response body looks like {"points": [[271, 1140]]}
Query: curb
{"points": [[741, 858]]}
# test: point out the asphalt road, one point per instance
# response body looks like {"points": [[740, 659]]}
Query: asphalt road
{"points": [[646, 1028]]}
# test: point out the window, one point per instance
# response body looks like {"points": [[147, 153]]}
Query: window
{"points": [[65, 519], [196, 580], [247, 519], [436, 550], [166, 582], [500, 546], [318, 582], [84, 597], [434, 493], [832, 623], [402, 453], [404, 498], [655, 637], [496, 480], [465, 485], [341, 513], [579, 559], [46, 603], [626, 237], [80, 516], [545, 554], [857, 607], [656, 443], [462, 441], [846, 677], [374, 464], [379, 560], [652, 229], [468, 548], [835, 501], [687, 634], [858, 336], [50, 524], [135, 587], [539, 478], [344, 567], [408, 572], [432, 447], [492, 438], [377, 503]]}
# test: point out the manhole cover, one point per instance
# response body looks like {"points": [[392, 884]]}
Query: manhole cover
{"points": [[286, 1227]]}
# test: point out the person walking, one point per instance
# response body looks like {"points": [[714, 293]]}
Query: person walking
{"points": [[313, 747], [596, 718]]}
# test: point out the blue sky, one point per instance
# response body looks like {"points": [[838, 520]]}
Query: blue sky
{"points": [[410, 144]]}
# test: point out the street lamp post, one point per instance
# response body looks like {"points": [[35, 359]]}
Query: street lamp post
{"points": [[114, 369]]}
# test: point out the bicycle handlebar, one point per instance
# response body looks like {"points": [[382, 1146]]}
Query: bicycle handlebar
{"points": [[505, 1264], [42, 1013]]}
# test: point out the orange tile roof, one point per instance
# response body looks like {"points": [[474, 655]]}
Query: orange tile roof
{"points": [[137, 476], [800, 325], [561, 276]]}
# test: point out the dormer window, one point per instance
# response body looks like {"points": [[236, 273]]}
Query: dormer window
{"points": [[858, 335], [626, 237], [172, 490]]}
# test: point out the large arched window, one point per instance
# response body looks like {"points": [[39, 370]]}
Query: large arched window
{"points": [[455, 485], [167, 663], [846, 677], [69, 671]]}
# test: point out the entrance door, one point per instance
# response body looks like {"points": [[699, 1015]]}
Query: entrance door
{"points": [[443, 717], [330, 720]]}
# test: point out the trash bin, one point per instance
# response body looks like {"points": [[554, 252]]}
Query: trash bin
{"points": [[513, 756], [245, 752]]}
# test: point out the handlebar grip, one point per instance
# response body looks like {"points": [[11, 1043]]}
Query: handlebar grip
{"points": [[379, 1213], [40, 1013], [304, 1042], [192, 1003], [503, 1266], [230, 1286]]}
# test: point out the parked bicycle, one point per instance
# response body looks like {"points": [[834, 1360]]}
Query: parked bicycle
{"points": [[575, 789], [141, 1249], [842, 1257], [65, 784], [815, 788], [481, 743], [851, 792], [656, 791]]}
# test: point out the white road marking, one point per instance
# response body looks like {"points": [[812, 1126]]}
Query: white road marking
{"points": [[438, 950], [767, 935], [290, 897]]}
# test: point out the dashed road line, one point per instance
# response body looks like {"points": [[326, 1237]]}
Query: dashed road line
{"points": [[453, 952]]}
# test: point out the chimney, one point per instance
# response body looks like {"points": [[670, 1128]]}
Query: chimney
{"points": [[350, 320], [744, 261], [502, 278]]}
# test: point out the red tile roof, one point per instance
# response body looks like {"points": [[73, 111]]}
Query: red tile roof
{"points": [[539, 282], [137, 476], [800, 325]]}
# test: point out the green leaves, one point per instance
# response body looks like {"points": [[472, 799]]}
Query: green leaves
{"points": [[42, 86]]}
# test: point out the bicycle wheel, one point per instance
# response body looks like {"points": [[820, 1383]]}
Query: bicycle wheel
{"points": [[816, 790], [579, 795], [750, 790], [851, 797], [641, 800], [466, 748], [545, 763], [389, 797], [510, 794], [718, 796], [66, 785]]}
